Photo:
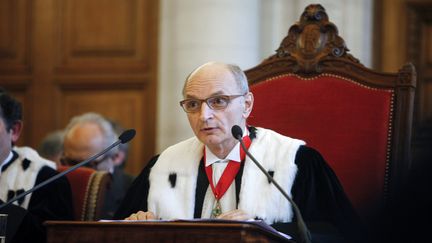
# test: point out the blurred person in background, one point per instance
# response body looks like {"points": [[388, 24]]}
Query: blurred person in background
{"points": [[51, 146], [87, 135]]}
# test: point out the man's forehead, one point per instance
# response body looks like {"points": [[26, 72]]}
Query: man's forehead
{"points": [[82, 149], [220, 80], [83, 137], [211, 70]]}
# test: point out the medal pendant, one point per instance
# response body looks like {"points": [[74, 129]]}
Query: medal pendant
{"points": [[217, 210]]}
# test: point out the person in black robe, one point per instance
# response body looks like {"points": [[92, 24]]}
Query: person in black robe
{"points": [[21, 169], [315, 189]]}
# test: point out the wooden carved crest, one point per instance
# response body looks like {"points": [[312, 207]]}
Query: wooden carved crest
{"points": [[311, 40]]}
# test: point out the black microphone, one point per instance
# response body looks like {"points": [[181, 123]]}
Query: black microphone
{"points": [[305, 236], [125, 137]]}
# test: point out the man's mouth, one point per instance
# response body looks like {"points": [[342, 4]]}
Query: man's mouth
{"points": [[207, 129]]}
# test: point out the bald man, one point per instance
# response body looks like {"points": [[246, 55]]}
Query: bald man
{"points": [[87, 135]]}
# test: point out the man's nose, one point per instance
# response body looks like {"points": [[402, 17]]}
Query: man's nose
{"points": [[206, 112]]}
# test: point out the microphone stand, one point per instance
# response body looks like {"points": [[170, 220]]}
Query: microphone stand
{"points": [[304, 232]]}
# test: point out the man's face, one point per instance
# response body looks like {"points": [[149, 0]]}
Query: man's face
{"points": [[8, 136], [213, 127], [5, 140], [82, 142]]}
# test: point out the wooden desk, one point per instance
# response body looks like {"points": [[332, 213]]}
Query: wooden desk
{"points": [[179, 231]]}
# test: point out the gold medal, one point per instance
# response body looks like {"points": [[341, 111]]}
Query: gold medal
{"points": [[217, 210]]}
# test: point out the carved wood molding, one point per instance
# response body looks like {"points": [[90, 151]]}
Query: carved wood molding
{"points": [[407, 75], [311, 40]]}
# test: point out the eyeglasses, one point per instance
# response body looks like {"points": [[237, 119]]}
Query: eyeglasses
{"points": [[218, 102], [92, 164]]}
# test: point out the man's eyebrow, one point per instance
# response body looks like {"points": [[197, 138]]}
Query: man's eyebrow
{"points": [[188, 96]]}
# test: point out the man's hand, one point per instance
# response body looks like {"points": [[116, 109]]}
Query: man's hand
{"points": [[140, 215], [236, 214]]}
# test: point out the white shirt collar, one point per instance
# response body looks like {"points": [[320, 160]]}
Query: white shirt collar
{"points": [[9, 157], [233, 155]]}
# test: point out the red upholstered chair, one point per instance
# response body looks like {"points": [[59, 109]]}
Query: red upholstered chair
{"points": [[88, 191], [359, 119]]}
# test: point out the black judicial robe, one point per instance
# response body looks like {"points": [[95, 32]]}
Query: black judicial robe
{"points": [[52, 202], [316, 190], [120, 183]]}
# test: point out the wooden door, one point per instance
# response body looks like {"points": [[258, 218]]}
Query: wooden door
{"points": [[62, 58]]}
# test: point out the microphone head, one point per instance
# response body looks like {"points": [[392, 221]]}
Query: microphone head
{"points": [[237, 132], [127, 135]]}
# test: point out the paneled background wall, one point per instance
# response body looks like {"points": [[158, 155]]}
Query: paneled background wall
{"points": [[64, 58]]}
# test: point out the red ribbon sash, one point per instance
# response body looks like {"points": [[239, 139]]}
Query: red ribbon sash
{"points": [[229, 173]]}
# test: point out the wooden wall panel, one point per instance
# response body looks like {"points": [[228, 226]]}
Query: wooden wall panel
{"points": [[7, 28], [66, 57], [403, 34], [114, 39], [428, 46], [90, 33], [425, 92], [15, 32]]}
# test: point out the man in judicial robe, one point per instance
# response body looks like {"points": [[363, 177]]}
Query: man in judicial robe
{"points": [[208, 176], [21, 168]]}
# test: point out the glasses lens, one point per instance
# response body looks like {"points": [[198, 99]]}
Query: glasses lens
{"points": [[191, 105], [99, 160], [91, 164], [218, 102]]}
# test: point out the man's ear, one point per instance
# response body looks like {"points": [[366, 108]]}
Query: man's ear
{"points": [[249, 100], [118, 158], [16, 131]]}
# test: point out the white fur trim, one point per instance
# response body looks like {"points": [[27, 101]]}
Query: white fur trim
{"points": [[175, 203], [257, 196], [15, 178]]}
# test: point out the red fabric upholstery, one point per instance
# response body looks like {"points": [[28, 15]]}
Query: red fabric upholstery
{"points": [[348, 123], [79, 180]]}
